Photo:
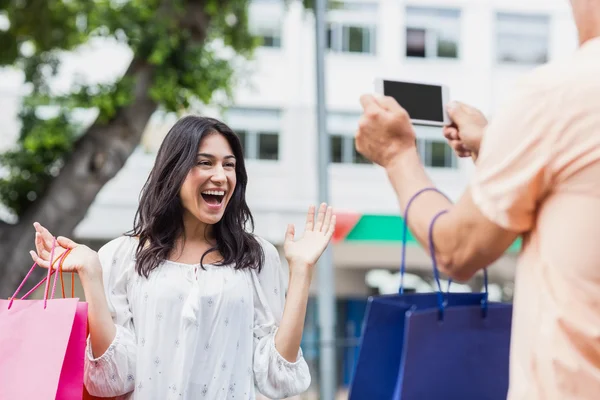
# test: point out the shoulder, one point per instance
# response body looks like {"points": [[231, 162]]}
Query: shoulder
{"points": [[119, 248], [269, 248], [532, 104], [272, 257], [559, 78]]}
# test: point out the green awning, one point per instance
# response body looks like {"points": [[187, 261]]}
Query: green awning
{"points": [[388, 228]]}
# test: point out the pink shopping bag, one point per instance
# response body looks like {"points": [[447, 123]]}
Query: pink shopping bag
{"points": [[42, 346]]}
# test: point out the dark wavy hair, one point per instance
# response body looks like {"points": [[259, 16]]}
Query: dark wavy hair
{"points": [[159, 217]]}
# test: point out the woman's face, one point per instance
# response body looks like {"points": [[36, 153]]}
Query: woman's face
{"points": [[209, 185]]}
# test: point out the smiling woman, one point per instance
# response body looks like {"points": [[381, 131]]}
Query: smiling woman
{"points": [[198, 174], [190, 304]]}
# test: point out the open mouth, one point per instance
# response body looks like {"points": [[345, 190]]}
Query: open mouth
{"points": [[213, 197]]}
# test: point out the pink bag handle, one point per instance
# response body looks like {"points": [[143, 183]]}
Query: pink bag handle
{"points": [[46, 279], [60, 264], [61, 260]]}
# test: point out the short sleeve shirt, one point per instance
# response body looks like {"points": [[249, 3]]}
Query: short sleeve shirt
{"points": [[538, 174]]}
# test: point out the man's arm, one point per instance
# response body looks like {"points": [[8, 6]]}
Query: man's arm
{"points": [[512, 175], [465, 240]]}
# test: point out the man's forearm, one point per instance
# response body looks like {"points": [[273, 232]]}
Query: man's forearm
{"points": [[407, 176]]}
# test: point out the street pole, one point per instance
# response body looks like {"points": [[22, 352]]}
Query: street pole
{"points": [[326, 288]]}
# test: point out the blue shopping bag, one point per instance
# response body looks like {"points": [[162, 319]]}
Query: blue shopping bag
{"points": [[462, 356], [465, 348], [382, 362], [382, 342]]}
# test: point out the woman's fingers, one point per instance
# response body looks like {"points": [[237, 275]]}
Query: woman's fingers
{"points": [[66, 242], [290, 232], [321, 216], [327, 220], [331, 228], [45, 255], [310, 219], [46, 236], [39, 260], [39, 243]]}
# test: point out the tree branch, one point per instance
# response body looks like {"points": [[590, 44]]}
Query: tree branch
{"points": [[4, 229], [96, 158]]}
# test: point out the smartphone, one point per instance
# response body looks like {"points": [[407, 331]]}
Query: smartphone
{"points": [[425, 103]]}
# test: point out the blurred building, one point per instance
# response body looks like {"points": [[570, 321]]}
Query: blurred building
{"points": [[478, 48]]}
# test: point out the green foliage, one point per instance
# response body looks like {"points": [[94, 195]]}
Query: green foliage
{"points": [[36, 160], [183, 42]]}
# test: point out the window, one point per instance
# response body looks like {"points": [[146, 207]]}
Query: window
{"points": [[268, 146], [270, 36], [358, 158], [436, 153], [258, 131], [265, 21], [336, 146], [432, 33], [343, 150], [351, 38], [271, 41], [522, 39], [259, 145], [341, 127]]}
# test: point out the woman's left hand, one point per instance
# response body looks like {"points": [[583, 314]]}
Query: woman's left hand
{"points": [[317, 234]]}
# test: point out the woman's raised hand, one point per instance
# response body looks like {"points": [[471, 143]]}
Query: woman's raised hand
{"points": [[81, 258], [315, 239]]}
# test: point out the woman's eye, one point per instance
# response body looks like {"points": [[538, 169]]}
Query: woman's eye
{"points": [[203, 163], [230, 165]]}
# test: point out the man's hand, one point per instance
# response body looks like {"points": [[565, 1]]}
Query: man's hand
{"points": [[466, 132], [384, 130]]}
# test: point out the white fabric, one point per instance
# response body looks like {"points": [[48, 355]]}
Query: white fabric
{"points": [[189, 333]]}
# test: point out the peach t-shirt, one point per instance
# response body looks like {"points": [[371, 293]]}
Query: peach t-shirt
{"points": [[539, 173]]}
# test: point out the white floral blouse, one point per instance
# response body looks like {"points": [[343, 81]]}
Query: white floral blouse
{"points": [[193, 333]]}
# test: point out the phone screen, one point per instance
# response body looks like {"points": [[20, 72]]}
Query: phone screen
{"points": [[421, 101]]}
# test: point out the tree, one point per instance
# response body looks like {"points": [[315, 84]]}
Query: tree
{"points": [[58, 167]]}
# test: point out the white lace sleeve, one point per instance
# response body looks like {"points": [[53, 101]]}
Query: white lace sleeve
{"points": [[275, 377], [113, 373]]}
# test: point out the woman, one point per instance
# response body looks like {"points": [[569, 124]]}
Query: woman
{"points": [[190, 305]]}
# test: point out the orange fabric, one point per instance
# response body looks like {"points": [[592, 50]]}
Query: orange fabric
{"points": [[538, 173]]}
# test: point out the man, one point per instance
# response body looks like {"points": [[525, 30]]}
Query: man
{"points": [[538, 176]]}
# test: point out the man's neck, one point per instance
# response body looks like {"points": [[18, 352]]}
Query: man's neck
{"points": [[588, 26], [586, 37]]}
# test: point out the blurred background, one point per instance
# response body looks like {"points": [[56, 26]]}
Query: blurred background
{"points": [[89, 88]]}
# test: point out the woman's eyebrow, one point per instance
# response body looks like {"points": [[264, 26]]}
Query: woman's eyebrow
{"points": [[212, 156]]}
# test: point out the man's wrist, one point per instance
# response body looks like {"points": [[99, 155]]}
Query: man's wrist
{"points": [[404, 156]]}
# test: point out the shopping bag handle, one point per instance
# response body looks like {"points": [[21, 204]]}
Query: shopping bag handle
{"points": [[46, 279], [405, 239], [60, 261], [29, 273], [484, 300], [62, 282], [405, 236]]}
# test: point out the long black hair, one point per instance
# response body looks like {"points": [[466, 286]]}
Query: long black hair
{"points": [[159, 218]]}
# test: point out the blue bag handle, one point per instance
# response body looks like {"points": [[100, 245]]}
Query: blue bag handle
{"points": [[405, 239], [436, 273], [484, 301]]}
